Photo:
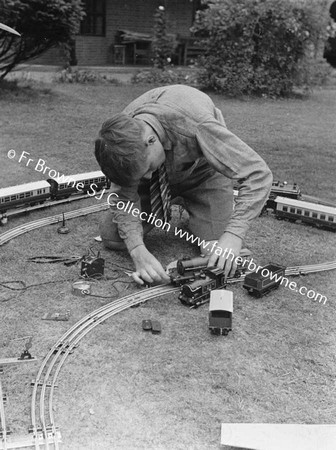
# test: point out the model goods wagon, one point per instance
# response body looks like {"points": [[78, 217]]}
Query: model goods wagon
{"points": [[265, 280], [220, 311]]}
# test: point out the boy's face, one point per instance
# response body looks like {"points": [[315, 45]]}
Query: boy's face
{"points": [[155, 153]]}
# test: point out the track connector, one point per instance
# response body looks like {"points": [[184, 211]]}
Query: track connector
{"points": [[62, 348], [4, 398], [8, 432], [47, 384], [34, 430]]}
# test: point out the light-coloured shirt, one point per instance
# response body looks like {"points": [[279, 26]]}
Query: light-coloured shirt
{"points": [[190, 127]]}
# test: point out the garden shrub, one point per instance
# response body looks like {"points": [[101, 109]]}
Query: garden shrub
{"points": [[257, 46], [70, 75], [157, 76]]}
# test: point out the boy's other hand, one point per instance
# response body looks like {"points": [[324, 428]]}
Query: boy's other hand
{"points": [[227, 248], [147, 267]]}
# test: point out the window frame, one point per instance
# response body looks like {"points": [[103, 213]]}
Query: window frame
{"points": [[88, 26]]}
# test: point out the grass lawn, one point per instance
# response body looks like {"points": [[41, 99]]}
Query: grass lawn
{"points": [[126, 389]]}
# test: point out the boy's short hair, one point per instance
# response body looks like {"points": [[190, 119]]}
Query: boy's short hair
{"points": [[120, 149]]}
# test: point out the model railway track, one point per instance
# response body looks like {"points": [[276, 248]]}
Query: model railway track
{"points": [[17, 231], [45, 205], [297, 270], [42, 417], [45, 433], [3, 427]]}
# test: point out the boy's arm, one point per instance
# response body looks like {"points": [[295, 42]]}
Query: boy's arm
{"points": [[233, 158], [126, 210]]}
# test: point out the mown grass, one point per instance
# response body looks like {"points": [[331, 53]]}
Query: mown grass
{"points": [[123, 388]]}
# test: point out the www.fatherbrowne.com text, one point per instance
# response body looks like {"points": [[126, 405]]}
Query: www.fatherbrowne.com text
{"points": [[41, 166]]}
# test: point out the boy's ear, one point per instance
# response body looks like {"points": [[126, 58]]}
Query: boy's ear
{"points": [[151, 139]]}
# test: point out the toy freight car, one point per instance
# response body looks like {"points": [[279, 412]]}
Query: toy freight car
{"points": [[264, 281], [220, 311]]}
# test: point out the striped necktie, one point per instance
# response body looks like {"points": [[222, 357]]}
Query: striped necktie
{"points": [[160, 194]]}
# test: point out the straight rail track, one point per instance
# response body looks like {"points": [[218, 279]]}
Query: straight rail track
{"points": [[3, 426], [21, 229]]}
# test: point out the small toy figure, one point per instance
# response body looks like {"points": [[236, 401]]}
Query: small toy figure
{"points": [[26, 354]]}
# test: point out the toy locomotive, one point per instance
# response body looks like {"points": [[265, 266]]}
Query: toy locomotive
{"points": [[197, 292], [257, 284], [220, 311], [197, 280]]}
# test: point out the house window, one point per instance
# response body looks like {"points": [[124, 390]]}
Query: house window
{"points": [[322, 216], [292, 210], [306, 213], [314, 215], [93, 23], [299, 211], [330, 219], [284, 208]]}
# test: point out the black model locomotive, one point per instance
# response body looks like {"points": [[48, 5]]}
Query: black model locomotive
{"points": [[197, 292], [189, 269]]}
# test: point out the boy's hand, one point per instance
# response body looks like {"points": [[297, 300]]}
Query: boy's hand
{"points": [[229, 246], [147, 267]]}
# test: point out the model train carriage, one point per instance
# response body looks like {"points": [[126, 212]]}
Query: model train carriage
{"points": [[220, 311], [25, 194], [64, 186], [315, 214], [198, 292], [265, 280]]}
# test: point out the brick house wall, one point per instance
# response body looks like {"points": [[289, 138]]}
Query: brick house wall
{"points": [[134, 15]]}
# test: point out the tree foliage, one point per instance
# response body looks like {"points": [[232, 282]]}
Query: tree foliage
{"points": [[43, 24], [257, 46]]}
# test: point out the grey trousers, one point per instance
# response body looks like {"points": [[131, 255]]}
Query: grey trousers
{"points": [[208, 198]]}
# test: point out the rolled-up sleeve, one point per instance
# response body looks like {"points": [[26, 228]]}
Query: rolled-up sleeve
{"points": [[233, 158], [124, 204]]}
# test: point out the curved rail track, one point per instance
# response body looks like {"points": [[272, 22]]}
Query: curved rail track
{"points": [[42, 416], [45, 434]]}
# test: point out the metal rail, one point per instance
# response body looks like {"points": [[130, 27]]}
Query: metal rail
{"points": [[3, 427], [45, 432], [41, 405], [21, 229], [49, 371], [47, 204]]}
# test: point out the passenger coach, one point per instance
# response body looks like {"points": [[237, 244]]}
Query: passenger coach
{"points": [[24, 194], [66, 185], [316, 214]]}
